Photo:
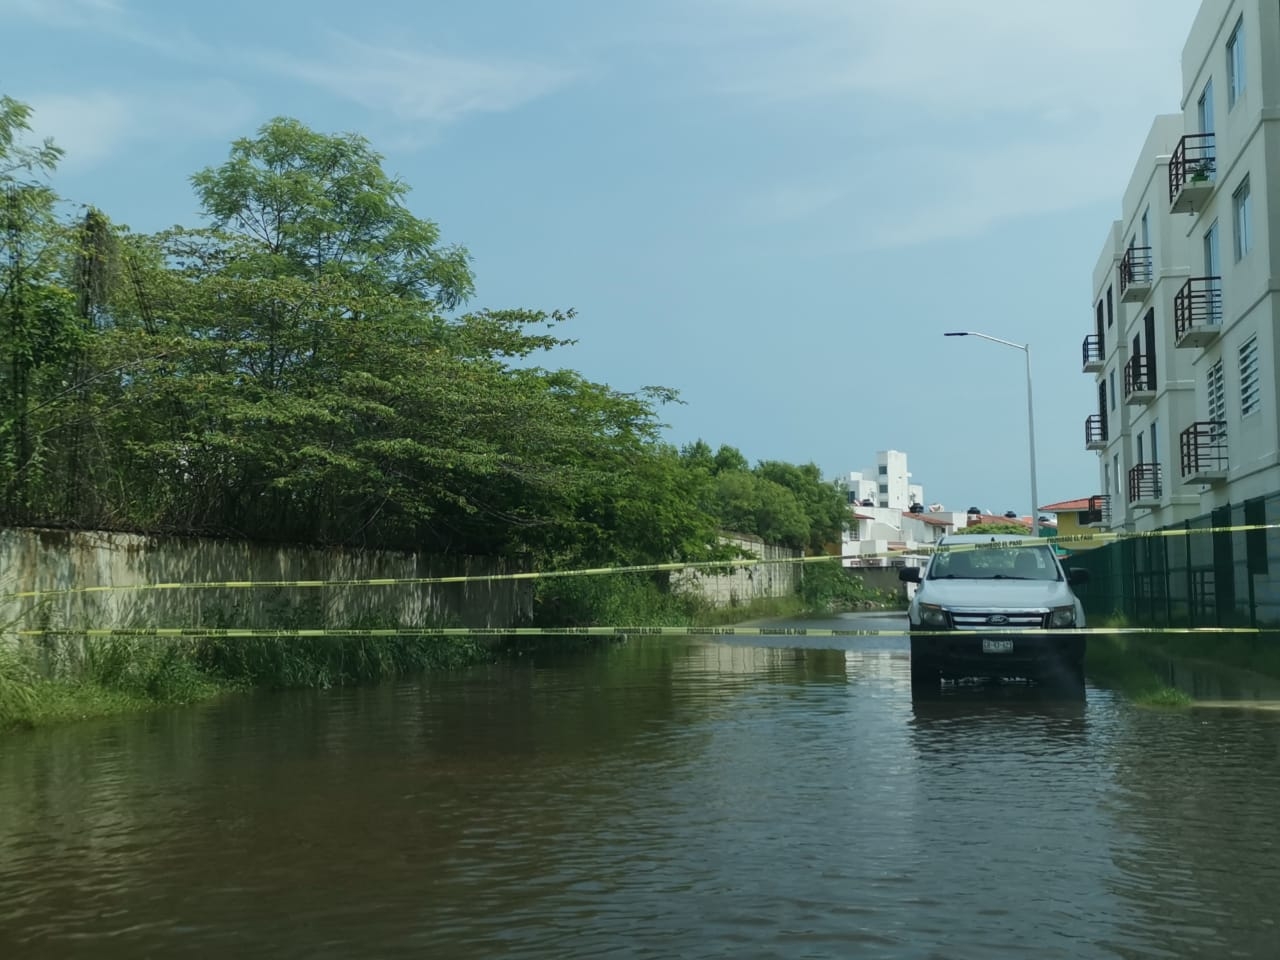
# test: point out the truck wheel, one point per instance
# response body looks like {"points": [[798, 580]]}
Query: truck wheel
{"points": [[925, 677]]}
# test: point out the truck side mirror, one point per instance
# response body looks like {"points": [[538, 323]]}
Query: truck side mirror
{"points": [[1077, 575], [909, 574]]}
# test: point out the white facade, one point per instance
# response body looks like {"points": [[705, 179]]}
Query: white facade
{"points": [[887, 484], [861, 487], [876, 532], [1205, 203]]}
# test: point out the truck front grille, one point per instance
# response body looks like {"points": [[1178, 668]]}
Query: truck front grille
{"points": [[1012, 620]]}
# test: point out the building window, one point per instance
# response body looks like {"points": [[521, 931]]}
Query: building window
{"points": [[1106, 476], [1111, 387], [884, 488], [1242, 219], [884, 470], [1155, 453], [1204, 108], [1115, 471], [1217, 390], [1250, 399], [1111, 310], [1235, 64]]}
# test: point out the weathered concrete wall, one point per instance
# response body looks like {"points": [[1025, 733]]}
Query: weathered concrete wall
{"points": [[882, 578], [745, 584], [56, 560]]}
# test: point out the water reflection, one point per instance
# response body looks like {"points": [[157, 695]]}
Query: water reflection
{"points": [[649, 798]]}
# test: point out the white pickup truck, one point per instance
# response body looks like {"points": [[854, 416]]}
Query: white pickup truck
{"points": [[994, 606]]}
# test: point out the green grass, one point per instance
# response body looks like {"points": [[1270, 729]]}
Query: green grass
{"points": [[763, 608], [100, 677], [128, 674], [1115, 662], [58, 701]]}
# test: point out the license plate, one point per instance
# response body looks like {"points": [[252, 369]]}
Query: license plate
{"points": [[997, 646]]}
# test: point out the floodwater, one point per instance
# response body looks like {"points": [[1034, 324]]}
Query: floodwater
{"points": [[658, 798]]}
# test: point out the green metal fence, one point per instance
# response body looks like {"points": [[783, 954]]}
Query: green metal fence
{"points": [[1197, 579]]}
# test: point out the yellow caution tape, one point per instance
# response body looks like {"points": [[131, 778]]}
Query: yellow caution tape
{"points": [[922, 550], [810, 632]]}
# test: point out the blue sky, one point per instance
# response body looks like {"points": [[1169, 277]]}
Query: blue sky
{"points": [[775, 206]]}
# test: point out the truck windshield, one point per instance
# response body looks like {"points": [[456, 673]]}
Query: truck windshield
{"points": [[991, 562]]}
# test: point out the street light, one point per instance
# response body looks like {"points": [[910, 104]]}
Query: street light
{"points": [[1031, 418]]}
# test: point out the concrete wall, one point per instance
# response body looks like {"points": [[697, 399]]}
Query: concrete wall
{"points": [[884, 578], [745, 584], [52, 560]]}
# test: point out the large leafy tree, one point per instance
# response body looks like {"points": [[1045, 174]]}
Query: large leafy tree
{"points": [[313, 384], [824, 504], [303, 368], [315, 204]]}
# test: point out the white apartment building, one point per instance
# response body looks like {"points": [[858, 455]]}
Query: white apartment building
{"points": [[1186, 290], [887, 484]]}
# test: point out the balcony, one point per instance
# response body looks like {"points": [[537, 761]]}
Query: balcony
{"points": [[1139, 381], [1099, 512], [1095, 432], [1144, 485], [1203, 447], [1197, 312], [1091, 353], [1135, 275], [1191, 173]]}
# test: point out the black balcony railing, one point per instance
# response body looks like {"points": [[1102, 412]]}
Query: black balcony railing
{"points": [[1135, 268], [1144, 482], [1091, 350], [1193, 161], [1099, 510], [1138, 375], [1203, 448], [1095, 429], [1197, 306]]}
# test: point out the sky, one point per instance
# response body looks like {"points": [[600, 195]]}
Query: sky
{"points": [[776, 207]]}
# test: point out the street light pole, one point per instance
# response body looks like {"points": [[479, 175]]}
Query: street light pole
{"points": [[1031, 418]]}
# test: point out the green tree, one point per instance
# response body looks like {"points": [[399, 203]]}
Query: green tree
{"points": [[37, 311], [316, 204], [824, 504], [1016, 529]]}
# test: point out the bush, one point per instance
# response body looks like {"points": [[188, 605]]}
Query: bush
{"points": [[829, 587], [624, 599]]}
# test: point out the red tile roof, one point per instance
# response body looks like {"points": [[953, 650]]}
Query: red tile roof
{"points": [[931, 520], [862, 516], [1067, 506]]}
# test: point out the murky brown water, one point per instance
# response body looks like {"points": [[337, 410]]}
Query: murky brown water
{"points": [[658, 799]]}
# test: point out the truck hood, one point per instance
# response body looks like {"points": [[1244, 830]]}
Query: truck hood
{"points": [[996, 594]]}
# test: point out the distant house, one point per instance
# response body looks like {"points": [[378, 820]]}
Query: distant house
{"points": [[885, 536], [1076, 517]]}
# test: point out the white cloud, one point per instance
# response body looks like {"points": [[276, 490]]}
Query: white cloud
{"points": [[417, 86], [409, 85], [92, 126], [88, 127], [968, 114], [108, 18], [793, 201]]}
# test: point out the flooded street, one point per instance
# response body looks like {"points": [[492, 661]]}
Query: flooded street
{"points": [[658, 798]]}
